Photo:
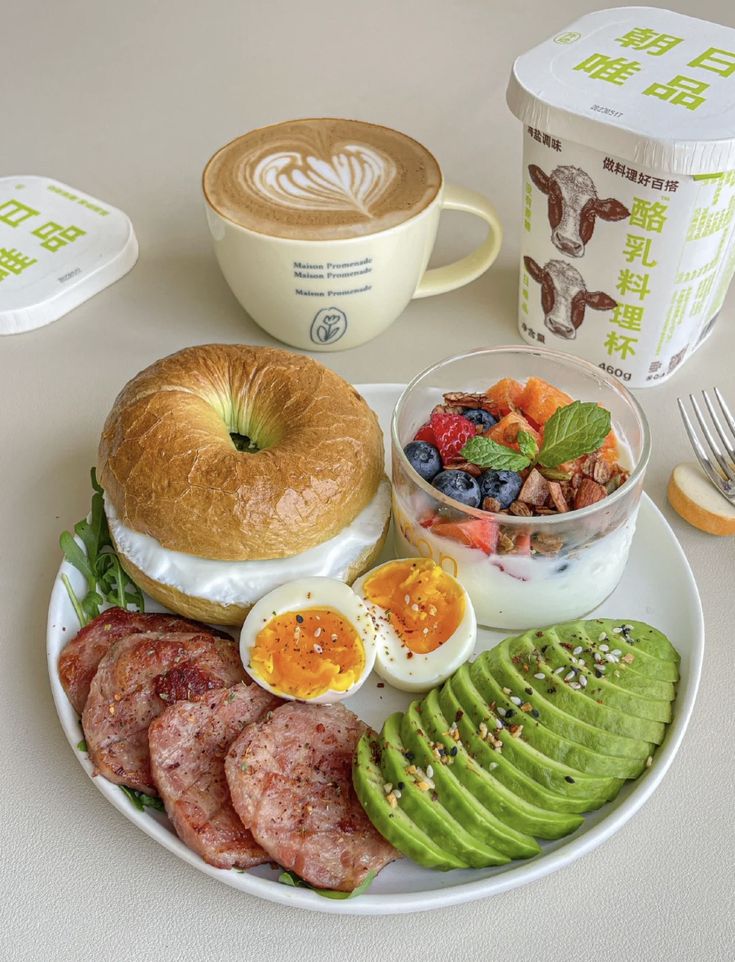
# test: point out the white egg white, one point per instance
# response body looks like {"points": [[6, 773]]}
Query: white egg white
{"points": [[418, 672], [297, 596]]}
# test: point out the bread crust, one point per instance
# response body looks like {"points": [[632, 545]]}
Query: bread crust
{"points": [[170, 468], [213, 613]]}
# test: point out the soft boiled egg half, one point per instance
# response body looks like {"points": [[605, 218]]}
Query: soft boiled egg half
{"points": [[309, 640], [425, 620]]}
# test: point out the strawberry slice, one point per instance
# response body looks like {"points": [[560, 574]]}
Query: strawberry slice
{"points": [[452, 432], [479, 533], [425, 433]]}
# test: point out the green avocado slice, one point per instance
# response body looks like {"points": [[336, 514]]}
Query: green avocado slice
{"points": [[479, 777], [504, 761], [393, 823], [581, 656], [542, 754], [656, 657], [616, 756], [529, 662], [460, 802], [424, 807]]}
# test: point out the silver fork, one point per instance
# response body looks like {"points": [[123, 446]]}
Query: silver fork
{"points": [[718, 466]]}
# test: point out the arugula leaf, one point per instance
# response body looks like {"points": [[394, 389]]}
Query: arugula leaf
{"points": [[573, 430], [82, 745], [291, 878], [141, 800], [486, 453], [106, 579], [527, 444]]}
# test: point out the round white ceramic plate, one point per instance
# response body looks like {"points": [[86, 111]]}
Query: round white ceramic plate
{"points": [[658, 587]]}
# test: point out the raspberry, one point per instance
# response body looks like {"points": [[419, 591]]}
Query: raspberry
{"points": [[425, 433], [452, 431]]}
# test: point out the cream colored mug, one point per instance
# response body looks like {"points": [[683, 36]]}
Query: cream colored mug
{"points": [[323, 228]]}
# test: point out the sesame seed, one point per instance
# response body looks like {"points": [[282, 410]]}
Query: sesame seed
{"points": [[317, 632], [575, 685], [602, 637], [569, 675], [559, 670], [492, 766], [515, 699], [498, 723], [300, 619], [407, 599], [617, 631], [506, 691], [568, 778], [578, 650], [501, 712], [430, 771], [397, 793], [604, 648], [616, 651], [453, 751], [318, 649], [540, 675], [598, 656], [649, 761], [583, 681], [333, 637], [426, 631]]}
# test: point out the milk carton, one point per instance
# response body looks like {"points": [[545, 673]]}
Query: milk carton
{"points": [[627, 241]]}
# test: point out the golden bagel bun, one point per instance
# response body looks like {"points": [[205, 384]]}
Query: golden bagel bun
{"points": [[213, 613], [170, 468], [693, 496]]}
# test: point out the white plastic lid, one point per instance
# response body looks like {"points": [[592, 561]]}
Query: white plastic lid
{"points": [[58, 247], [645, 84]]}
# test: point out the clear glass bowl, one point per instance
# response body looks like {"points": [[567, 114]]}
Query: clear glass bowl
{"points": [[543, 569]]}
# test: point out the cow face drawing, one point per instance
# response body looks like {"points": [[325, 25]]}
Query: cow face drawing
{"points": [[564, 296], [573, 206]]}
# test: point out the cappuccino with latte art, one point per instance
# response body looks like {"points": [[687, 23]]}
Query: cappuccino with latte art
{"points": [[321, 179]]}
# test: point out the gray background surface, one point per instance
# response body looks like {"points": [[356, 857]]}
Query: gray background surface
{"points": [[127, 101]]}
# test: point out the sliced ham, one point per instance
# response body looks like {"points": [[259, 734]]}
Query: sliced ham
{"points": [[290, 779], [79, 660], [188, 743], [138, 677]]}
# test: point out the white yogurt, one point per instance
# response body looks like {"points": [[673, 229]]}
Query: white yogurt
{"points": [[244, 582], [524, 591]]}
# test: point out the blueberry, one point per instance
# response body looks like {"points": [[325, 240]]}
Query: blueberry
{"points": [[504, 486], [459, 485], [483, 419], [423, 458]]}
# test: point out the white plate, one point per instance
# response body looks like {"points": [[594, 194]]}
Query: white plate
{"points": [[658, 587]]}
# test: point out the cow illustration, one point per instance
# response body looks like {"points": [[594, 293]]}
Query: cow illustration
{"points": [[564, 296], [573, 205]]}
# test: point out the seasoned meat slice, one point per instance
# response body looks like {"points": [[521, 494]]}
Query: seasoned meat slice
{"points": [[137, 678], [79, 660], [290, 778], [188, 743]]}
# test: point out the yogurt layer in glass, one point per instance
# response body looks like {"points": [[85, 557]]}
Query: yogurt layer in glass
{"points": [[542, 569]]}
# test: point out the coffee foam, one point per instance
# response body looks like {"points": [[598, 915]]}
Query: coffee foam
{"points": [[321, 179]]}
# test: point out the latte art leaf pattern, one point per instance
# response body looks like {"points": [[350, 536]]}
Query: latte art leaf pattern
{"points": [[353, 179]]}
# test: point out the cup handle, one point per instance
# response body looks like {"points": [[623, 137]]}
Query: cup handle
{"points": [[438, 280]]}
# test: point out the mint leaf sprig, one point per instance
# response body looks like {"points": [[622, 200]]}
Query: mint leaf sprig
{"points": [[291, 878], [98, 562], [571, 431]]}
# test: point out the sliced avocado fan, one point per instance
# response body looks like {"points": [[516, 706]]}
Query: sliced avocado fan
{"points": [[519, 744]]}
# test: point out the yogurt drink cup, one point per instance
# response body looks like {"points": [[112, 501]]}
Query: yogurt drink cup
{"points": [[543, 569], [628, 225]]}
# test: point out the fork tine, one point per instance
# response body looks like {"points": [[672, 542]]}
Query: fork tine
{"points": [[714, 446], [699, 451], [725, 410], [726, 441]]}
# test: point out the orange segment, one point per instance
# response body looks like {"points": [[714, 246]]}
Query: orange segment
{"points": [[540, 400], [504, 395], [506, 430]]}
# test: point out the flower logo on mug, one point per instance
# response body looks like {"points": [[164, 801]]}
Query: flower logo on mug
{"points": [[328, 326]]}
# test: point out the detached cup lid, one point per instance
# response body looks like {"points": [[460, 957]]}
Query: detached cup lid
{"points": [[645, 84], [58, 247]]}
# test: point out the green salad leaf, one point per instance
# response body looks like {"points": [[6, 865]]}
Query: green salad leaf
{"points": [[291, 878], [141, 800], [98, 562]]}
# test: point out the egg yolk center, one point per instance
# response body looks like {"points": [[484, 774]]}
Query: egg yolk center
{"points": [[423, 604], [306, 653]]}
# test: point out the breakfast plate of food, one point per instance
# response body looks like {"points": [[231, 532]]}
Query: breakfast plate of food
{"points": [[302, 699]]}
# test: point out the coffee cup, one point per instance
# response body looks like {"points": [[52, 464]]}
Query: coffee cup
{"points": [[323, 228]]}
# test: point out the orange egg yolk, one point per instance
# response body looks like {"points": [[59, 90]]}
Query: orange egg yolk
{"points": [[306, 653], [423, 604]]}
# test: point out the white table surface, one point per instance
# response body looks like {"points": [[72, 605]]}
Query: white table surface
{"points": [[127, 101]]}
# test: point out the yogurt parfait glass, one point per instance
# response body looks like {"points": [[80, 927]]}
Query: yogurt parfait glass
{"points": [[526, 571]]}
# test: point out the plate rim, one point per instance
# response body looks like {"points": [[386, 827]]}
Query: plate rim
{"points": [[407, 902]]}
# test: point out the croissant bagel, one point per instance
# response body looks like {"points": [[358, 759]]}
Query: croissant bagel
{"points": [[233, 453]]}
